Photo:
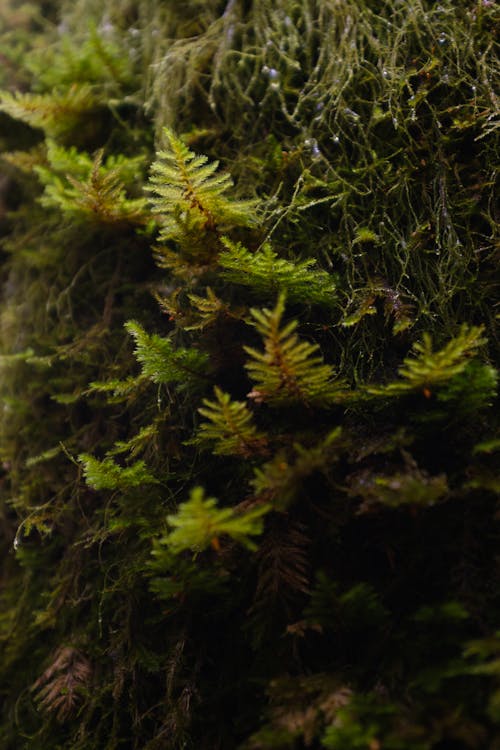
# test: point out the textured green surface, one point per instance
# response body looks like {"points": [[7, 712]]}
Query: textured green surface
{"points": [[249, 429]]}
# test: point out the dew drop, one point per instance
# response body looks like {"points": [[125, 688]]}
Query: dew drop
{"points": [[351, 113], [442, 38], [336, 139], [312, 144], [385, 73], [275, 86]]}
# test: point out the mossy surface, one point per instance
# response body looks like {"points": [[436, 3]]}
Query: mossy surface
{"points": [[249, 424]]}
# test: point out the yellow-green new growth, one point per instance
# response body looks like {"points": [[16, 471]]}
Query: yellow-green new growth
{"points": [[187, 194], [430, 368], [230, 427], [108, 475], [162, 362], [289, 370], [199, 524], [57, 114], [263, 271], [91, 190]]}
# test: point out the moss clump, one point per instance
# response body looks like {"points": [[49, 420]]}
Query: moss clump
{"points": [[247, 376]]}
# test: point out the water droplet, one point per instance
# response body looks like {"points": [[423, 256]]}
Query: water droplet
{"points": [[411, 100], [442, 38], [319, 106], [273, 74], [395, 122], [275, 86], [265, 69], [474, 89], [17, 543], [107, 28], [351, 113], [385, 73], [312, 144], [336, 139]]}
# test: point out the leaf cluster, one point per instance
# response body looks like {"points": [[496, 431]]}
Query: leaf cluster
{"points": [[289, 370], [199, 523]]}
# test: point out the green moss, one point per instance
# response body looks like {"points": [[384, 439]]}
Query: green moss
{"points": [[341, 590]]}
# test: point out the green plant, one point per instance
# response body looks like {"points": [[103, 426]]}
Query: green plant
{"points": [[248, 435]]}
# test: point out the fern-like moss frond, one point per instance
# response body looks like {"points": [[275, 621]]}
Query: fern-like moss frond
{"points": [[208, 309], [101, 59], [280, 480], [229, 427], [90, 190], [162, 362], [429, 368], [62, 686], [108, 475], [57, 113], [288, 370], [264, 272], [188, 195], [199, 523]]}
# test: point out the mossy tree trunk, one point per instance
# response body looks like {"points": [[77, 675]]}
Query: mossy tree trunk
{"points": [[247, 376]]}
